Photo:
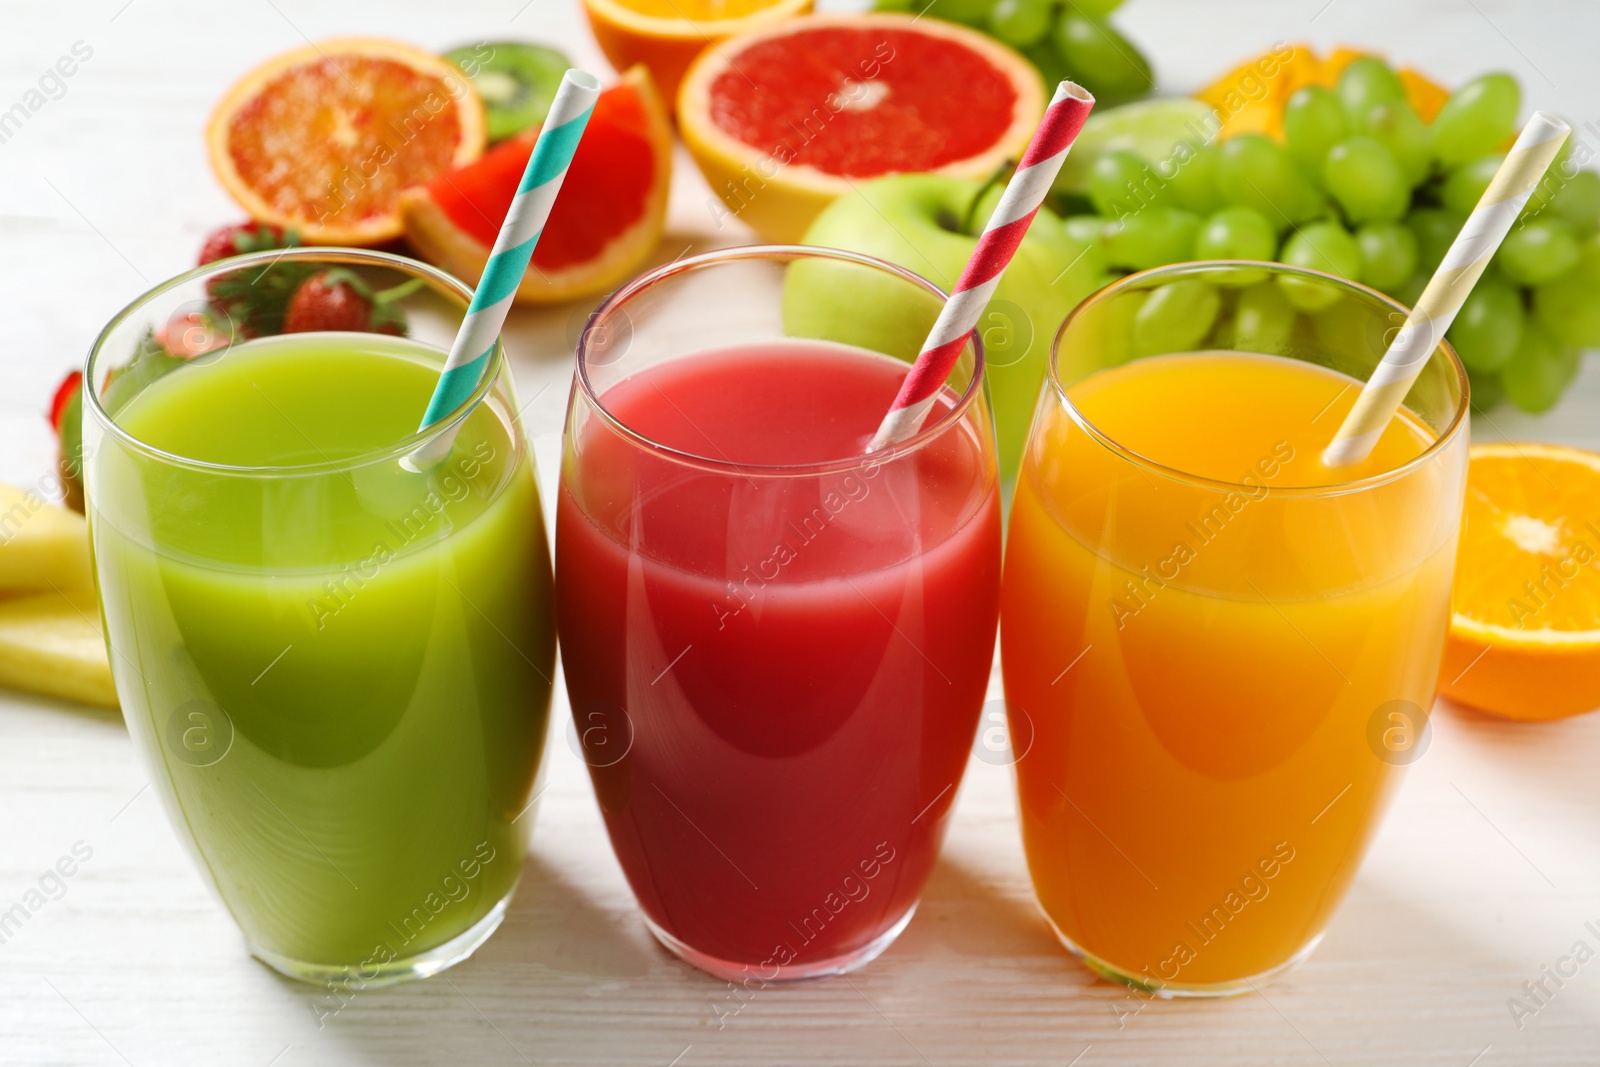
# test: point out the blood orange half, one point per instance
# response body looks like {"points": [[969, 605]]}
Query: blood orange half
{"points": [[322, 140], [785, 119], [606, 220]]}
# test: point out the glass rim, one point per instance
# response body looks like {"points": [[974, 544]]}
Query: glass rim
{"points": [[1458, 420], [767, 252], [320, 253]]}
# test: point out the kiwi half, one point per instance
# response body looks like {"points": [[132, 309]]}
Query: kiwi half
{"points": [[515, 80]]}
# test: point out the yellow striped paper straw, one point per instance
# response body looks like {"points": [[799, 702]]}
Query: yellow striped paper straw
{"points": [[1436, 308]]}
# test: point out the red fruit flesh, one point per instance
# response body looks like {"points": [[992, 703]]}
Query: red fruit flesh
{"points": [[603, 196], [805, 99]]}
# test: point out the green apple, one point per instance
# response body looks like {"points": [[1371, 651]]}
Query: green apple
{"points": [[930, 225]]}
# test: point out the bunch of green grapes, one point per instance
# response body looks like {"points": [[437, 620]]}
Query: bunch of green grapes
{"points": [[1362, 187], [1065, 40]]}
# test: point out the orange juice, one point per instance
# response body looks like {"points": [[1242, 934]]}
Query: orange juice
{"points": [[1206, 632]]}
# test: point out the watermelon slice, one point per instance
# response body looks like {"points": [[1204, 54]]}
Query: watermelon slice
{"points": [[606, 220]]}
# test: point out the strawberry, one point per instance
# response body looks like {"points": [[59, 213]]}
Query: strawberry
{"points": [[66, 419], [242, 237], [331, 300], [254, 300], [66, 393]]}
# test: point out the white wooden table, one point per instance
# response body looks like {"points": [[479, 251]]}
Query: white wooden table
{"points": [[1486, 871]]}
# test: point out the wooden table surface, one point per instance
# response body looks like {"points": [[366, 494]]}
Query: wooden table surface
{"points": [[1486, 871]]}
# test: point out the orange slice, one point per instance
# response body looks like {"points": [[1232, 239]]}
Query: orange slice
{"points": [[1250, 98], [324, 139], [667, 35], [1525, 635]]}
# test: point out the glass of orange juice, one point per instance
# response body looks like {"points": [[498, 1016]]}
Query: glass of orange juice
{"points": [[1222, 649]]}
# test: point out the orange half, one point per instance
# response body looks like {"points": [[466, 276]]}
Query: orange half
{"points": [[667, 35], [324, 139], [1525, 633]]}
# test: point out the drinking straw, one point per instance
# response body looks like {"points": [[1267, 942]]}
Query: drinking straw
{"points": [[513, 249], [1436, 308], [1001, 236]]}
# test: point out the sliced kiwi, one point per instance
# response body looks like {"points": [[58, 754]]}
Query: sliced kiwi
{"points": [[516, 81]]}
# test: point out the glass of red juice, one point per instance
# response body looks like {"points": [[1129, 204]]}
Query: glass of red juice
{"points": [[776, 645]]}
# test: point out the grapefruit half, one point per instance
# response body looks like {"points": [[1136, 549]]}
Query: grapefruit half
{"points": [[323, 139], [605, 222], [785, 119]]}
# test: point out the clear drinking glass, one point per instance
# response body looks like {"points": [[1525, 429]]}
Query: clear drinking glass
{"points": [[1223, 650], [776, 645], [337, 669]]}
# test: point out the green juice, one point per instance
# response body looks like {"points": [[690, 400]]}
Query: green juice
{"points": [[340, 668]]}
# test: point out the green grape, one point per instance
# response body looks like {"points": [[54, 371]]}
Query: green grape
{"points": [[1237, 233], [1020, 23], [1577, 200], [1194, 182], [1388, 255], [1365, 82], [1263, 320], [1313, 122], [1090, 229], [1396, 125], [1151, 238], [1539, 371], [1052, 68], [1465, 185], [1364, 178], [1435, 229], [1256, 172], [1589, 257], [1568, 309], [1111, 323], [1121, 184], [894, 5], [1097, 9], [1176, 317], [1408, 291], [1476, 119], [974, 13], [1104, 61], [1540, 250], [1487, 390], [1489, 325], [1324, 246]]}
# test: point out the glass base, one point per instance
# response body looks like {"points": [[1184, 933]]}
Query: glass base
{"points": [[409, 969], [792, 974], [1182, 990]]}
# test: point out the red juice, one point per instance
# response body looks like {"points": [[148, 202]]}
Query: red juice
{"points": [[776, 673]]}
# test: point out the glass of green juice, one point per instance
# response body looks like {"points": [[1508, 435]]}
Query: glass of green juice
{"points": [[337, 668]]}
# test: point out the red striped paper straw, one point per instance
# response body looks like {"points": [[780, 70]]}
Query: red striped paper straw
{"points": [[1004, 232]]}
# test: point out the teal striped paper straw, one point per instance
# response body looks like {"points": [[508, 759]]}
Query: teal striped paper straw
{"points": [[513, 250]]}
